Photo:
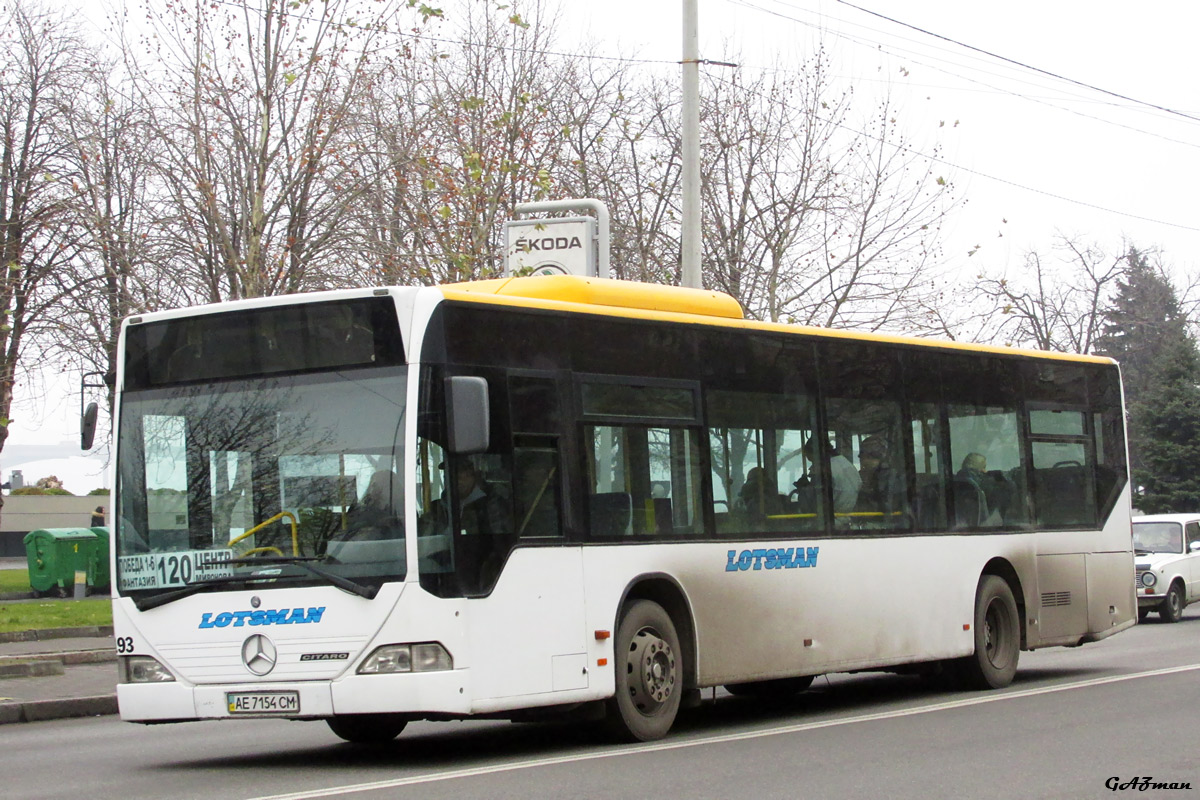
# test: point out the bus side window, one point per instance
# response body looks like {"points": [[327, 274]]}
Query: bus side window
{"points": [[643, 481], [536, 481], [762, 483]]}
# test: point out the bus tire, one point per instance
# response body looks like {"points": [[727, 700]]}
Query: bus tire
{"points": [[648, 663], [775, 689], [1171, 608], [997, 637], [367, 728]]}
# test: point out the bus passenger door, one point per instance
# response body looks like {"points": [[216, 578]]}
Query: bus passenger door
{"points": [[528, 634]]}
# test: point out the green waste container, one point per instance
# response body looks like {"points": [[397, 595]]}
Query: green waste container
{"points": [[56, 554], [97, 570]]}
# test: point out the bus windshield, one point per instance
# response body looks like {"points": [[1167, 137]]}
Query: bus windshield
{"points": [[288, 479]]}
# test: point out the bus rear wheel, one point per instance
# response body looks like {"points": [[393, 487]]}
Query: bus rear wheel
{"points": [[773, 689], [367, 728], [997, 637], [649, 674]]}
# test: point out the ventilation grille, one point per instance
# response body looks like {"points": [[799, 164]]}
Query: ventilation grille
{"points": [[1052, 599]]}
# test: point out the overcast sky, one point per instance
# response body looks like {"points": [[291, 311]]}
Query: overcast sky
{"points": [[1085, 120], [1056, 130]]}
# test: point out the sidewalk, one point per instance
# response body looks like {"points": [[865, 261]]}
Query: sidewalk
{"points": [[53, 674]]}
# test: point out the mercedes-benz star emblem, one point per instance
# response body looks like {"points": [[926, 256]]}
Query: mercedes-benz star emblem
{"points": [[259, 654]]}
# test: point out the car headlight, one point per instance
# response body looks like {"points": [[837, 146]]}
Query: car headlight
{"points": [[391, 658], [1149, 579], [142, 669]]}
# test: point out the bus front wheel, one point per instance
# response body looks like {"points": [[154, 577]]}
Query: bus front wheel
{"points": [[997, 637], [367, 728], [649, 674]]}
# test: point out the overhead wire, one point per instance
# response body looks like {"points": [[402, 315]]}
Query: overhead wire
{"points": [[915, 58], [1023, 65], [978, 173]]}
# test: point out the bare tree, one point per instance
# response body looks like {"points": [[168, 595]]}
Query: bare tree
{"points": [[813, 217], [43, 64], [458, 135], [623, 145], [115, 272], [251, 101], [1056, 303]]}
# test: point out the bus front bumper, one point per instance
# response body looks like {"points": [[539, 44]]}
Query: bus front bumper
{"points": [[408, 693]]}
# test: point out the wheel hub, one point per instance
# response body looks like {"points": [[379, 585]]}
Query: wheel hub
{"points": [[652, 671]]}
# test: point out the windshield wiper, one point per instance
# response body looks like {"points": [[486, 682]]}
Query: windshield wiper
{"points": [[147, 603], [345, 584]]}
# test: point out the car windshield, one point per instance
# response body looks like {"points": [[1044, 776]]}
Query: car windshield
{"points": [[228, 483], [1158, 537]]}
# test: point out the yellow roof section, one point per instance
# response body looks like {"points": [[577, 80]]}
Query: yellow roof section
{"points": [[607, 292], [680, 304]]}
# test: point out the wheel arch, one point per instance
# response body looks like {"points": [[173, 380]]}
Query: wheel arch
{"points": [[1003, 568], [663, 589]]}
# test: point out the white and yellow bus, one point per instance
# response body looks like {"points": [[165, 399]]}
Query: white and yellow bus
{"points": [[557, 494]]}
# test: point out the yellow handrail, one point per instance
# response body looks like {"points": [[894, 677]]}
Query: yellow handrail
{"points": [[254, 550], [261, 525]]}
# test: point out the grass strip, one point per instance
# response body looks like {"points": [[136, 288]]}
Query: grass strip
{"points": [[54, 614]]}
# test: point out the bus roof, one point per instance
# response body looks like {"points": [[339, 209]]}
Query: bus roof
{"points": [[619, 298]]}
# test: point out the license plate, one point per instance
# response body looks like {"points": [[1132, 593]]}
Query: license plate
{"points": [[263, 702]]}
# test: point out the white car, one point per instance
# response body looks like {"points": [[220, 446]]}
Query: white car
{"points": [[1167, 560]]}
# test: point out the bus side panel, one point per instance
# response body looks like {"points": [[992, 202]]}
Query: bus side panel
{"points": [[1109, 611], [857, 603], [1085, 582], [528, 636]]}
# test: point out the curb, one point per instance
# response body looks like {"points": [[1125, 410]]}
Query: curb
{"points": [[32, 665], [57, 633], [40, 710]]}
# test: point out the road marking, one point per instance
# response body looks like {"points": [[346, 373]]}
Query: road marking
{"points": [[617, 751]]}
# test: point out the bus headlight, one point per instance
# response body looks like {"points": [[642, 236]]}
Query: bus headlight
{"points": [[1149, 579], [142, 669], [427, 657]]}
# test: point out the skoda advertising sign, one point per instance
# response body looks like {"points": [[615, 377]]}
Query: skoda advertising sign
{"points": [[559, 246]]}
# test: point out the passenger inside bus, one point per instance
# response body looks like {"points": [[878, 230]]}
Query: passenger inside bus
{"points": [[970, 496], [759, 498], [846, 480], [882, 488]]}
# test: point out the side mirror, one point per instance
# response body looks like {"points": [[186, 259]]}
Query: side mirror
{"points": [[469, 423], [87, 426], [1194, 546]]}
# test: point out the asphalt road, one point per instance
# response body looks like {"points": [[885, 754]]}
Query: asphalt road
{"points": [[1072, 721]]}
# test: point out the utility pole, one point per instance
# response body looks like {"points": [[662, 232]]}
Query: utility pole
{"points": [[690, 231]]}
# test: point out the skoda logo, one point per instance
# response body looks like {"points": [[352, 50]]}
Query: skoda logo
{"points": [[259, 654]]}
